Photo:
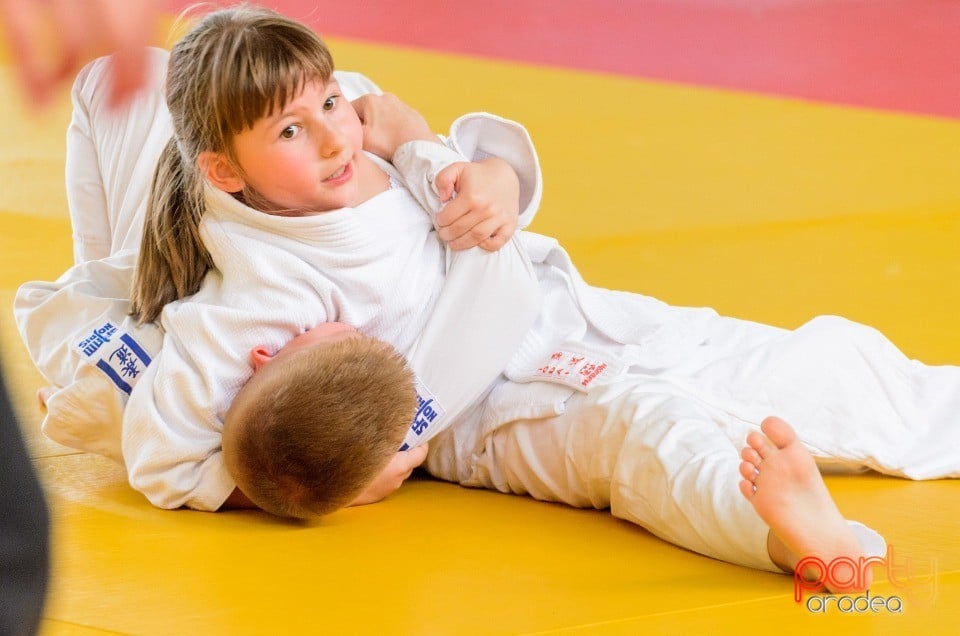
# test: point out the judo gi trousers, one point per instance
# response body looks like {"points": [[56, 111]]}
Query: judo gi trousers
{"points": [[659, 445]]}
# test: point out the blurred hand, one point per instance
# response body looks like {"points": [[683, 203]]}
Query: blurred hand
{"points": [[388, 123], [50, 40]]}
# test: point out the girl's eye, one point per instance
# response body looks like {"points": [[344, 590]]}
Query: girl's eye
{"points": [[330, 103], [289, 132]]}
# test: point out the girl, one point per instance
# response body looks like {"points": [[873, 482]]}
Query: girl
{"points": [[125, 150]]}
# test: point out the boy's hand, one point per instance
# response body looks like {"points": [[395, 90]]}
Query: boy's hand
{"points": [[388, 123], [393, 476], [486, 208]]}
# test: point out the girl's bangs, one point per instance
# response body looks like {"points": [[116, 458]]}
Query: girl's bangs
{"points": [[266, 79]]}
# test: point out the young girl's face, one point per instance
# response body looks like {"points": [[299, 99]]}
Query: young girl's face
{"points": [[304, 158]]}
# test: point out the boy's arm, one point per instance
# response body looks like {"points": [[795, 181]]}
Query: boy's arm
{"points": [[481, 135], [489, 299], [491, 203], [487, 305], [480, 200], [397, 133]]}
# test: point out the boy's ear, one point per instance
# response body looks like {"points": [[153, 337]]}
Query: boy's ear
{"points": [[259, 356], [219, 172]]}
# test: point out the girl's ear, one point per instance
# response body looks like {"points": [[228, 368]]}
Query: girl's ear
{"points": [[219, 172]]}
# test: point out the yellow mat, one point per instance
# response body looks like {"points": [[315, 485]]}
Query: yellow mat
{"points": [[769, 209]]}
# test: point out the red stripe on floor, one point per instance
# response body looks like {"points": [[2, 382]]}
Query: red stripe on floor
{"points": [[888, 54]]}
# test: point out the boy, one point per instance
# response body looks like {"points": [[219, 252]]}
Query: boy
{"points": [[318, 421]]}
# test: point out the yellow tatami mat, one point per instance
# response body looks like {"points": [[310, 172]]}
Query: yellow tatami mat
{"points": [[769, 209]]}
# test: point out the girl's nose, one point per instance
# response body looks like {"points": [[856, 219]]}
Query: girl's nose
{"points": [[332, 141]]}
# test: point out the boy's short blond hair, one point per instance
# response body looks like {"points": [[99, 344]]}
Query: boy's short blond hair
{"points": [[310, 430]]}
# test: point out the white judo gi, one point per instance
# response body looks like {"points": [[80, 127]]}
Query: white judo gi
{"points": [[616, 399], [657, 434], [77, 331]]}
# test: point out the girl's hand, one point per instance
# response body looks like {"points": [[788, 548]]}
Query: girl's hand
{"points": [[393, 476], [388, 123], [486, 207]]}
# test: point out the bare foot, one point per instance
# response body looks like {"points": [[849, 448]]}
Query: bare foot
{"points": [[782, 482], [43, 395]]}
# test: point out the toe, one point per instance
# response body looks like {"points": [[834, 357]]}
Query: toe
{"points": [[748, 471], [761, 444], [778, 431], [748, 454], [746, 489]]}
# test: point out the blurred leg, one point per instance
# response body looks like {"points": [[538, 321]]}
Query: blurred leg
{"points": [[111, 158]]}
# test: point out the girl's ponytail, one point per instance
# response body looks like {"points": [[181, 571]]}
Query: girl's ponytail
{"points": [[173, 259], [232, 68]]}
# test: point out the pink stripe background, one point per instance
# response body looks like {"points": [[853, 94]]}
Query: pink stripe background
{"points": [[887, 54]]}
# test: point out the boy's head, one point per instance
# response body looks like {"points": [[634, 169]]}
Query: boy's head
{"points": [[318, 421]]}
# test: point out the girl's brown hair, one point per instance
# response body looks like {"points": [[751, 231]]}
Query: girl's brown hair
{"points": [[230, 70]]}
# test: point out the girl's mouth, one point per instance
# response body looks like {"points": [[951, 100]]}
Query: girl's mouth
{"points": [[340, 176]]}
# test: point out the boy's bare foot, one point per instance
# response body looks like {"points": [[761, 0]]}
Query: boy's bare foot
{"points": [[782, 482]]}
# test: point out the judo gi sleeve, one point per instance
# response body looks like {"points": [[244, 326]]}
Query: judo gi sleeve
{"points": [[488, 303]]}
